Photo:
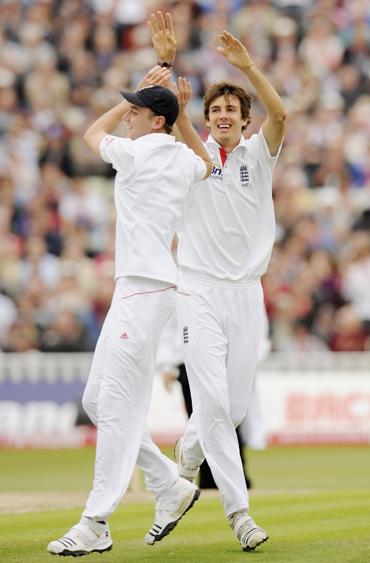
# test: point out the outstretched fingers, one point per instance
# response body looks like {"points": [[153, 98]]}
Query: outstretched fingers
{"points": [[158, 23], [163, 36], [158, 76], [169, 23], [184, 91], [229, 40], [153, 24], [160, 20]]}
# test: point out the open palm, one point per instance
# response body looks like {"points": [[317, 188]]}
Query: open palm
{"points": [[182, 90], [233, 50], [163, 36]]}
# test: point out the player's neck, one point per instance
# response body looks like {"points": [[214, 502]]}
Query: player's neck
{"points": [[228, 144]]}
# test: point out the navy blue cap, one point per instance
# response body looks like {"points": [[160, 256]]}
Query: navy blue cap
{"points": [[160, 100]]}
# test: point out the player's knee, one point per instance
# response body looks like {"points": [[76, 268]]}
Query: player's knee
{"points": [[215, 407]]}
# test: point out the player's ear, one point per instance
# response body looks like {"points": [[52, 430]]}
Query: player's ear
{"points": [[159, 122]]}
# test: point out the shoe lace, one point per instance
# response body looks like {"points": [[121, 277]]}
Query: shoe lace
{"points": [[245, 521], [189, 467]]}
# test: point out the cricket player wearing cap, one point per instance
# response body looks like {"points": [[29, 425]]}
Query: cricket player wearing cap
{"points": [[225, 243], [154, 174]]}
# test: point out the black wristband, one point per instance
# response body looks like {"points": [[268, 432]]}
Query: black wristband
{"points": [[165, 64]]}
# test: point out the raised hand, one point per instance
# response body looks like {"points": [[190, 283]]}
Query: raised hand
{"points": [[163, 36], [182, 90], [156, 76], [234, 51]]}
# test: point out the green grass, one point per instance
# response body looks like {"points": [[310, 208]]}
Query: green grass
{"points": [[46, 470], [321, 514]]}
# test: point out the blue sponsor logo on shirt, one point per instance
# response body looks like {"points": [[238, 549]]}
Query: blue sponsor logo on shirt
{"points": [[216, 172]]}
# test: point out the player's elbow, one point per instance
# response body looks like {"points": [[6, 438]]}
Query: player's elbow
{"points": [[92, 139], [87, 137], [279, 116]]}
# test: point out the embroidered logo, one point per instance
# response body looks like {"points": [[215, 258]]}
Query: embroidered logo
{"points": [[186, 334], [216, 172], [124, 336], [244, 176]]}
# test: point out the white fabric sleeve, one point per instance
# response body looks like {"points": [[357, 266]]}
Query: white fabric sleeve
{"points": [[258, 148], [264, 151], [117, 151], [200, 169], [195, 163]]}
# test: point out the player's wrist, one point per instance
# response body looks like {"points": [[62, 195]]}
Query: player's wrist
{"points": [[182, 117], [165, 63], [246, 66]]}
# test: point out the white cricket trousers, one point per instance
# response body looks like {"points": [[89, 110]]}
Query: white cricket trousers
{"points": [[118, 392], [222, 327]]}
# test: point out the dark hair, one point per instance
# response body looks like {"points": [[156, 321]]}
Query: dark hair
{"points": [[167, 128], [225, 89]]}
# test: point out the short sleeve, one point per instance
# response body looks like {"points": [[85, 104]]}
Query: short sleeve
{"points": [[264, 151], [117, 151], [198, 165], [258, 150], [200, 169]]}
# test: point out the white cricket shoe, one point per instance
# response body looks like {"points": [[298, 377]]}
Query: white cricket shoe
{"points": [[188, 472], [246, 530], [171, 506], [85, 537]]}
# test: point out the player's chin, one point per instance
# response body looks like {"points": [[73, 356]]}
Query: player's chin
{"points": [[133, 133], [225, 135]]}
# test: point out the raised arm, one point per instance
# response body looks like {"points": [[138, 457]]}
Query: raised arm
{"points": [[237, 55], [108, 122], [188, 134]]}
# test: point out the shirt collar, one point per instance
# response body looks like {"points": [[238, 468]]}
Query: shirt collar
{"points": [[212, 141]]}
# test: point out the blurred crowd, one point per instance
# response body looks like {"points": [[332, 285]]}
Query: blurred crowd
{"points": [[62, 64]]}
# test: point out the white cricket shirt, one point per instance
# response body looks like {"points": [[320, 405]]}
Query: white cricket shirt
{"points": [[228, 228], [154, 175]]}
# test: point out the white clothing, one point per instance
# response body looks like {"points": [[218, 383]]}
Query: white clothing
{"points": [[224, 247], [170, 354], [228, 228], [154, 175], [222, 328], [118, 392], [253, 428]]}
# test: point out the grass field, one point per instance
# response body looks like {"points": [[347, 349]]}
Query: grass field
{"points": [[315, 503]]}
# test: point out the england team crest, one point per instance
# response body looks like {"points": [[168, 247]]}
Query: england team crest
{"points": [[244, 176]]}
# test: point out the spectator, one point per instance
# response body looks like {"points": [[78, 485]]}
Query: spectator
{"points": [[65, 334], [63, 63], [348, 334]]}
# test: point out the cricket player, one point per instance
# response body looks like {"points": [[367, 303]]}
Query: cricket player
{"points": [[224, 248], [154, 174]]}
